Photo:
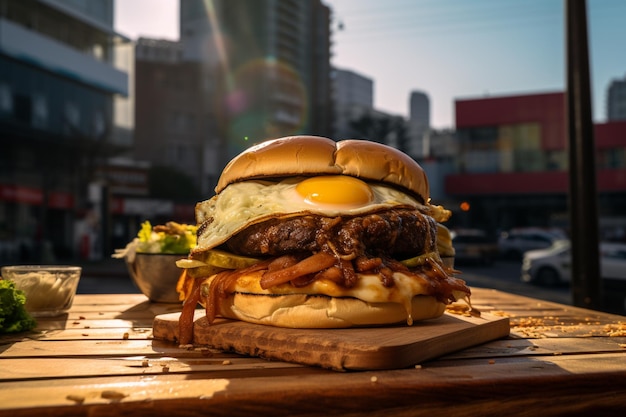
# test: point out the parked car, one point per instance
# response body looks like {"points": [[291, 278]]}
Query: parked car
{"points": [[553, 266], [474, 246], [514, 243]]}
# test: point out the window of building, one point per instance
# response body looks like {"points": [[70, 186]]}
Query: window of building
{"points": [[556, 160], [99, 124], [72, 117], [505, 148], [6, 99], [40, 111], [23, 108], [611, 158]]}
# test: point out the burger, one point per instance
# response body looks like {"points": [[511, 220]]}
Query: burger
{"points": [[306, 232]]}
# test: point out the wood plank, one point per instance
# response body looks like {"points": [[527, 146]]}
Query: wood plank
{"points": [[390, 347], [105, 349], [573, 384], [541, 347], [33, 342], [81, 323], [141, 366], [109, 299]]}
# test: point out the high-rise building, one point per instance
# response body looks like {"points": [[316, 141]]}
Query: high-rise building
{"points": [[419, 124], [274, 61], [419, 109], [58, 90], [351, 88], [616, 100], [353, 96], [175, 124]]}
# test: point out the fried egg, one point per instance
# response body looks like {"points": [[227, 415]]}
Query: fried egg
{"points": [[242, 204]]}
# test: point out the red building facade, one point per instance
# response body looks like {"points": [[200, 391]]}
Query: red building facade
{"points": [[513, 163]]}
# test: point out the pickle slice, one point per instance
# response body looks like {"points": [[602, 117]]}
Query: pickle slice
{"points": [[419, 260], [218, 258], [204, 271], [228, 260]]}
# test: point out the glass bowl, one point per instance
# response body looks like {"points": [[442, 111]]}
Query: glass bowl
{"points": [[49, 289]]}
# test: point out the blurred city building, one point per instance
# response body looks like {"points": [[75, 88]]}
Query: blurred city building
{"points": [[616, 100], [513, 160], [439, 161], [176, 125], [355, 116], [60, 87], [351, 88], [273, 61], [353, 96], [419, 124], [98, 133]]}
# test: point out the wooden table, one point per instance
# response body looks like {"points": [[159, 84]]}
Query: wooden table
{"points": [[100, 359]]}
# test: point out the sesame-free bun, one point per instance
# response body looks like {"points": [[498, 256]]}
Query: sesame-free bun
{"points": [[304, 311], [322, 306], [315, 155]]}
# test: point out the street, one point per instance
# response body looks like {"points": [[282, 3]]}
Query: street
{"points": [[504, 275]]}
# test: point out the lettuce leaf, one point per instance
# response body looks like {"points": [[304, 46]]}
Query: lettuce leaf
{"points": [[13, 316], [173, 238]]}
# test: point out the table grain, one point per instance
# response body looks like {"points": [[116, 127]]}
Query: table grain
{"points": [[100, 360]]}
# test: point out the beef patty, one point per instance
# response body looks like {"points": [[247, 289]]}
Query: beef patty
{"points": [[397, 233]]}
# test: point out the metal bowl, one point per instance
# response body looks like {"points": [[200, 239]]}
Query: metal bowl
{"points": [[156, 275]]}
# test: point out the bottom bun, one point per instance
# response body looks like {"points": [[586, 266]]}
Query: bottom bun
{"points": [[321, 311]]}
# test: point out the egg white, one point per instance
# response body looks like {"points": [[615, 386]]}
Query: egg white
{"points": [[249, 202]]}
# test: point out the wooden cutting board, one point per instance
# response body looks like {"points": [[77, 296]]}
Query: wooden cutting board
{"points": [[375, 348]]}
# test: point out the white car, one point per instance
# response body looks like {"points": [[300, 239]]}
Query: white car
{"points": [[553, 265], [514, 243]]}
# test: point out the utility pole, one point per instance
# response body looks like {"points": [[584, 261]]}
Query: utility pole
{"points": [[583, 198]]}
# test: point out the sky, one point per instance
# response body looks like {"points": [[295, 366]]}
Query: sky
{"points": [[449, 49]]}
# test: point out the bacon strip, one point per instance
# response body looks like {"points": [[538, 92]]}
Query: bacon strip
{"points": [[310, 265]]}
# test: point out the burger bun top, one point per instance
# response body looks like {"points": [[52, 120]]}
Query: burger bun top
{"points": [[316, 155]]}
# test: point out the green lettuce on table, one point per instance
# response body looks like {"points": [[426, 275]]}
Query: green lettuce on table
{"points": [[13, 316]]}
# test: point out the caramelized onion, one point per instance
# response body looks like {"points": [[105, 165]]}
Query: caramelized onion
{"points": [[432, 275], [310, 265], [363, 263], [333, 273], [185, 321]]}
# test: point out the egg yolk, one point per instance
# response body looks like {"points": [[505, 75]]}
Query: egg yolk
{"points": [[338, 190]]}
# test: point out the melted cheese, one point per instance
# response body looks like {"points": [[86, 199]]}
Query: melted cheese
{"points": [[369, 288]]}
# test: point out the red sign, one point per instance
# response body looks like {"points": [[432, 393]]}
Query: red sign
{"points": [[20, 194], [30, 195], [60, 200]]}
